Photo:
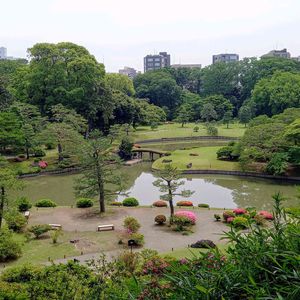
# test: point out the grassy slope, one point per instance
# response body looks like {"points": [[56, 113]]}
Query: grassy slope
{"points": [[175, 130], [206, 160]]}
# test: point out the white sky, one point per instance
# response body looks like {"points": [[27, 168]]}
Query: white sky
{"points": [[122, 32]]}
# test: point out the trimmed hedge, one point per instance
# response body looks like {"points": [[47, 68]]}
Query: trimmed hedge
{"points": [[204, 205], [160, 203], [84, 202], [184, 203], [160, 219], [130, 202], [45, 203]]}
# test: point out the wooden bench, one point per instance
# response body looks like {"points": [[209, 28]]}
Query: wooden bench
{"points": [[106, 227], [27, 214], [55, 226]]}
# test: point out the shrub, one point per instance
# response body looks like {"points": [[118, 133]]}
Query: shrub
{"points": [[196, 129], [267, 215], [160, 203], [160, 219], [184, 203], [181, 222], [293, 211], [138, 238], [15, 220], [230, 220], [43, 164], [45, 203], [212, 130], [9, 248], [227, 214], [217, 217], [40, 229], [84, 202], [188, 214], [55, 234], [240, 222], [204, 205], [116, 203], [239, 211], [156, 265], [23, 204], [130, 202], [204, 244], [125, 148], [38, 152], [131, 224], [259, 220]]}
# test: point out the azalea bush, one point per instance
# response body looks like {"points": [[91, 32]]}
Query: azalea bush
{"points": [[187, 214], [160, 203], [228, 214], [267, 215], [23, 204], [45, 203], [84, 202], [239, 211], [184, 203], [240, 222], [116, 203]]}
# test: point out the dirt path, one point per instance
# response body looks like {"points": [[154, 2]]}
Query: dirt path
{"points": [[160, 238]]}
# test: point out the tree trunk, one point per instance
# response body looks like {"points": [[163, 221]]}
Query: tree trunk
{"points": [[59, 149], [27, 153], [2, 197], [171, 203], [227, 125], [101, 201]]}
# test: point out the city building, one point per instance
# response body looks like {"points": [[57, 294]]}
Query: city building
{"points": [[278, 53], [225, 57], [189, 66], [3, 53], [130, 72], [157, 61]]}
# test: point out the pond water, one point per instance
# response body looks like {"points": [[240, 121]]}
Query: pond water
{"points": [[215, 190]]}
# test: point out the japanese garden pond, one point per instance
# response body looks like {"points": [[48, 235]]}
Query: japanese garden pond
{"points": [[216, 190]]}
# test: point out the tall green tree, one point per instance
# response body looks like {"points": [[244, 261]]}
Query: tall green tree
{"points": [[245, 114], [184, 114], [292, 132], [100, 170], [168, 183], [227, 118], [8, 181], [208, 113], [120, 82]]}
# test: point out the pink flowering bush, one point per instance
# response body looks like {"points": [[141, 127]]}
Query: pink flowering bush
{"points": [[187, 214], [267, 215], [229, 220], [43, 164], [240, 211], [160, 203], [155, 266]]}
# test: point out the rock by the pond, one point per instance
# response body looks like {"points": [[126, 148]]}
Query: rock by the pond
{"points": [[204, 244], [189, 165], [194, 154]]}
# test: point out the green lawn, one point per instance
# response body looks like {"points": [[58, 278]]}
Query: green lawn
{"points": [[39, 250], [175, 130], [206, 159], [189, 253]]}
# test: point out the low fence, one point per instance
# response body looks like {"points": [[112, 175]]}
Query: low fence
{"points": [[187, 138]]}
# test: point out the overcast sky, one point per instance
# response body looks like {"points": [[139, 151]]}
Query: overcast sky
{"points": [[122, 32]]}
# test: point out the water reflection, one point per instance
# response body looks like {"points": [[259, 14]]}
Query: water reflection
{"points": [[219, 191]]}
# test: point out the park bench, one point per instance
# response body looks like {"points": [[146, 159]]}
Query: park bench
{"points": [[106, 227], [55, 226], [27, 214]]}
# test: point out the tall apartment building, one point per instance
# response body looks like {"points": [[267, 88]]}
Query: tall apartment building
{"points": [[130, 72], [278, 53], [225, 57], [157, 61], [3, 53]]}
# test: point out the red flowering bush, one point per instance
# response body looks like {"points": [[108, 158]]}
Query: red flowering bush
{"points": [[184, 203], [240, 211], [160, 203], [156, 265], [267, 215], [43, 164]]}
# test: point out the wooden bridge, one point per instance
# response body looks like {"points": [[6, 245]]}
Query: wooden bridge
{"points": [[139, 152]]}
